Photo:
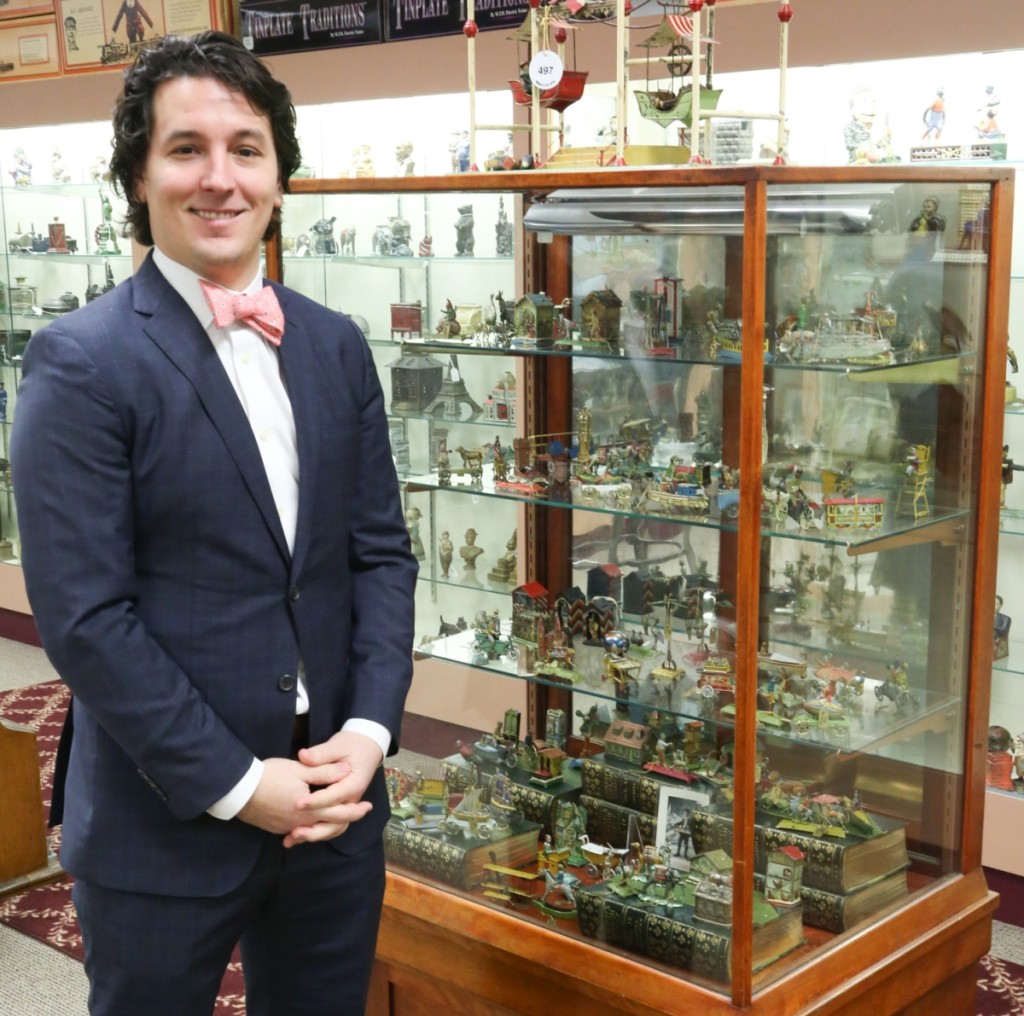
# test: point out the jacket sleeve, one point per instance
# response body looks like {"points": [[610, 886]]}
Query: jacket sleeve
{"points": [[71, 471]]}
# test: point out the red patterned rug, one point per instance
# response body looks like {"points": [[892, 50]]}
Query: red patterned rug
{"points": [[45, 912]]}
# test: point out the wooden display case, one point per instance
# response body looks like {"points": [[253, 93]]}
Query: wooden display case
{"points": [[783, 336]]}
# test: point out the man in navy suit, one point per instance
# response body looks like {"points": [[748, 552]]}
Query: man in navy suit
{"points": [[216, 556]]}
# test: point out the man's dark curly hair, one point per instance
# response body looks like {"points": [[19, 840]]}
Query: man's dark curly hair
{"points": [[207, 55]]}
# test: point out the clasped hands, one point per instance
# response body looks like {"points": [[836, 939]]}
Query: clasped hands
{"points": [[317, 797]]}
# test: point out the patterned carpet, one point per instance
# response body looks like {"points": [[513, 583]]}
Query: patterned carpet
{"points": [[45, 912]]}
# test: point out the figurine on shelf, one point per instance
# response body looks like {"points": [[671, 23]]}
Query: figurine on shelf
{"points": [[867, 139], [998, 774], [465, 241], [1017, 758], [412, 522], [499, 461], [405, 164], [445, 552], [934, 117], [105, 234], [426, 247], [985, 123], [459, 148], [619, 668], [503, 231], [1009, 467], [449, 324], [99, 171], [58, 171], [362, 162], [1001, 632], [912, 498], [323, 236], [928, 219], [470, 551], [504, 571], [401, 236], [22, 172], [347, 241]]}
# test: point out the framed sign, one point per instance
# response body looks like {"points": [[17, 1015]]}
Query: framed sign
{"points": [[295, 26], [99, 33], [417, 19], [28, 49], [11, 9]]}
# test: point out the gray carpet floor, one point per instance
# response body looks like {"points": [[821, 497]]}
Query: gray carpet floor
{"points": [[37, 980]]}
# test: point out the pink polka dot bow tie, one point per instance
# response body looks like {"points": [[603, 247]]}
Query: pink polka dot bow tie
{"points": [[261, 311]]}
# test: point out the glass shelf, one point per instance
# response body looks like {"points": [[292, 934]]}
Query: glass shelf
{"points": [[941, 525], [74, 259]]}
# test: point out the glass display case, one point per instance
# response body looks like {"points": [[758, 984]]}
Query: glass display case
{"points": [[1004, 807], [63, 246], [707, 461]]}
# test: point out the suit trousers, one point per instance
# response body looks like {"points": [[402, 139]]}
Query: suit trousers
{"points": [[306, 919]]}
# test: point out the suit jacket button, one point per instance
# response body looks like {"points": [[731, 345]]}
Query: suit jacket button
{"points": [[287, 683], [293, 593]]}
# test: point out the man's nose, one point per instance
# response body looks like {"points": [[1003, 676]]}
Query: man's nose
{"points": [[217, 171]]}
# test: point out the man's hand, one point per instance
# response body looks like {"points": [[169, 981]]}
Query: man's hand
{"points": [[284, 783], [328, 811]]}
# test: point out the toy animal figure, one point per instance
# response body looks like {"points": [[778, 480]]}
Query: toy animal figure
{"points": [[452, 629], [465, 241], [347, 241], [472, 460], [382, 241], [323, 236]]}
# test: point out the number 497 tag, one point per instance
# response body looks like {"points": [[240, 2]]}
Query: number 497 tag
{"points": [[545, 69]]}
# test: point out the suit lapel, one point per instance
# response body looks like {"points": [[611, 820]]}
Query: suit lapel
{"points": [[302, 382], [174, 328]]}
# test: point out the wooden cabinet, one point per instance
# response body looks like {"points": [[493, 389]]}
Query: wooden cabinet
{"points": [[737, 538]]}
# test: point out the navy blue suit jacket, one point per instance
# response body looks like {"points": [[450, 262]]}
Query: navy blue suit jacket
{"points": [[163, 588]]}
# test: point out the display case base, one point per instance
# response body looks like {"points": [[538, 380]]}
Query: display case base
{"points": [[441, 953]]}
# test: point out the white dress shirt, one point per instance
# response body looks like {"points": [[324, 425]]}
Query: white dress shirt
{"points": [[254, 369]]}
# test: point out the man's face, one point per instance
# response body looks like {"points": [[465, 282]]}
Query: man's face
{"points": [[210, 179], [930, 208]]}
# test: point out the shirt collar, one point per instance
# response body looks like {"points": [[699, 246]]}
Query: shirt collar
{"points": [[185, 283]]}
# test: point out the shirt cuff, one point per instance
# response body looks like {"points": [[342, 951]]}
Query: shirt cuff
{"points": [[238, 797], [375, 731]]}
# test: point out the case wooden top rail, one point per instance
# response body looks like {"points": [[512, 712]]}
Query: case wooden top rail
{"points": [[546, 180]]}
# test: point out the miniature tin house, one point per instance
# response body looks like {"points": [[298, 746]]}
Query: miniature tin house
{"points": [[599, 618], [534, 316], [625, 739], [784, 876], [550, 761], [602, 311], [528, 601], [571, 604], [416, 379], [605, 580]]}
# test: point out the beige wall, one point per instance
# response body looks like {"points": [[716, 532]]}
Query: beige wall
{"points": [[822, 31]]}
